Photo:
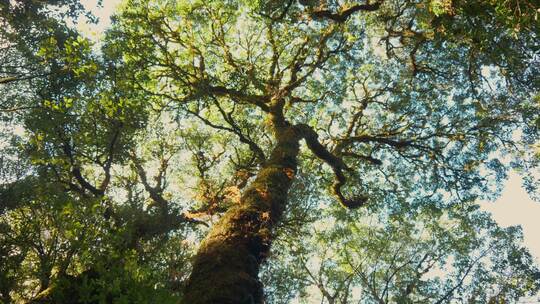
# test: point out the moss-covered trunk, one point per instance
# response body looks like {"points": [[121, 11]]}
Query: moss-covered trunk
{"points": [[227, 264]]}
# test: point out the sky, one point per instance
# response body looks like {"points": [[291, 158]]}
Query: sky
{"points": [[103, 13], [514, 207]]}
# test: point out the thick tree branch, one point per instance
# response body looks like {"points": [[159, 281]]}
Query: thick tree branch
{"points": [[10, 79], [336, 163], [258, 100], [76, 172], [342, 16]]}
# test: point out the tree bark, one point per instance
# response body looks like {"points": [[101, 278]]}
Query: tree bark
{"points": [[226, 266]]}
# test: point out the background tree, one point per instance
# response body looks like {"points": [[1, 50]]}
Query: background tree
{"points": [[446, 256], [196, 112]]}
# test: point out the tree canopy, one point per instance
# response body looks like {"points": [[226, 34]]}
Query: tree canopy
{"points": [[266, 151]]}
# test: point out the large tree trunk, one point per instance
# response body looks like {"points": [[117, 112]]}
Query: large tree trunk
{"points": [[226, 267]]}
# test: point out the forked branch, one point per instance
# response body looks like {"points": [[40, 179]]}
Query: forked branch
{"points": [[156, 194], [337, 165]]}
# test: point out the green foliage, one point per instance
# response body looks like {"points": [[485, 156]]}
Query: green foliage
{"points": [[126, 146], [453, 255]]}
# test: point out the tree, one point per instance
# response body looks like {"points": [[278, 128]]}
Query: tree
{"points": [[403, 107], [443, 256]]}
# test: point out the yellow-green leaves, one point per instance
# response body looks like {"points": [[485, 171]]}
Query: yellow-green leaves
{"points": [[440, 7]]}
